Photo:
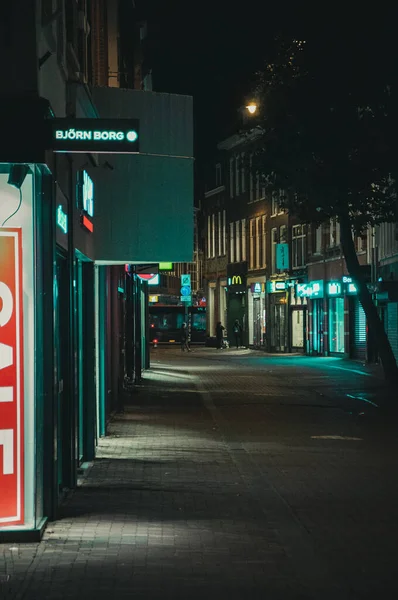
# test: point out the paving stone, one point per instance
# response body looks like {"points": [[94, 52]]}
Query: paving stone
{"points": [[212, 484]]}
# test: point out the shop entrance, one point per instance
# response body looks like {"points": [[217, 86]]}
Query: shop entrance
{"points": [[336, 325], [257, 323], [298, 328], [278, 326], [317, 327]]}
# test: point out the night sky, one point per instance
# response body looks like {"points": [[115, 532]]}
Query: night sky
{"points": [[211, 50], [212, 54]]}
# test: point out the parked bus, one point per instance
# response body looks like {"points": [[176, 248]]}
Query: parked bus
{"points": [[165, 324]]}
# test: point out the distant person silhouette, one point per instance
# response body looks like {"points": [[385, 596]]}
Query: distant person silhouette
{"points": [[184, 338], [237, 329], [219, 334]]}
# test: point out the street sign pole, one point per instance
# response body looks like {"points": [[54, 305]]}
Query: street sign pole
{"points": [[186, 298]]}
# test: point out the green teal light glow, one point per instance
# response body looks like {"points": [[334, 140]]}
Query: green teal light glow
{"points": [[165, 266], [88, 194], [334, 288], [62, 219], [313, 289]]}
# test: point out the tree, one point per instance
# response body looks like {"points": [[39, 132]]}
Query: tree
{"points": [[328, 123]]}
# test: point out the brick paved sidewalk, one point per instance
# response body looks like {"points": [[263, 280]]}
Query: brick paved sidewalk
{"points": [[211, 486], [164, 511]]}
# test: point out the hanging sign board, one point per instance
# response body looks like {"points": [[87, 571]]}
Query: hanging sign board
{"points": [[282, 257], [11, 379], [110, 136]]}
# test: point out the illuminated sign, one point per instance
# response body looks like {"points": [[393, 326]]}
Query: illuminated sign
{"points": [[11, 379], [87, 224], [350, 287], [109, 136], [334, 288], [153, 299], [186, 280], [235, 280], [282, 257], [256, 288], [86, 193], [276, 286], [165, 266], [313, 289], [150, 278], [62, 219]]}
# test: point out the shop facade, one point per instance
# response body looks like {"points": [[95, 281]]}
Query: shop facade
{"points": [[336, 320], [237, 301], [278, 315], [257, 311]]}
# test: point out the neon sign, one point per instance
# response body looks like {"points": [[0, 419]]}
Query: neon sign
{"points": [[87, 201], [62, 219], [276, 286], [95, 135], [313, 289], [334, 288], [88, 194]]}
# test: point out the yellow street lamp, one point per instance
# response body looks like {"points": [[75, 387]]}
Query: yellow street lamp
{"points": [[251, 108]]}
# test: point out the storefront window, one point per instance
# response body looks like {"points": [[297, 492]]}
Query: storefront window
{"points": [[336, 325]]}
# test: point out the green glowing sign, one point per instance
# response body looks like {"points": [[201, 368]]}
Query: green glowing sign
{"points": [[165, 266], [62, 219], [95, 135], [334, 288], [276, 286], [313, 289], [350, 287], [88, 194]]}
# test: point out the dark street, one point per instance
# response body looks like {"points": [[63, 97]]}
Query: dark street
{"points": [[230, 474]]}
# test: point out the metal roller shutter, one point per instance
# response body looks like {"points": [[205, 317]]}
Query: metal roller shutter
{"points": [[360, 338]]}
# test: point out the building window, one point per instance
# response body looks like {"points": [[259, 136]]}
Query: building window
{"points": [[243, 223], [258, 240], [208, 236], [251, 179], [251, 249], [224, 232], [213, 236], [242, 170], [298, 246], [257, 186], [237, 175], [231, 243], [318, 240], [264, 242], [283, 234], [219, 250], [237, 238], [231, 177], [274, 204], [218, 175], [362, 243], [274, 241]]}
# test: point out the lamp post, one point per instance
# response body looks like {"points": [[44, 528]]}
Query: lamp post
{"points": [[251, 108]]}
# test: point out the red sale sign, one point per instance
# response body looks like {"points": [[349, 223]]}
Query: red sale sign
{"points": [[11, 379]]}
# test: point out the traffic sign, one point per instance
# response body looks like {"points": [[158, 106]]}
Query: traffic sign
{"points": [[186, 298], [185, 280], [186, 290]]}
